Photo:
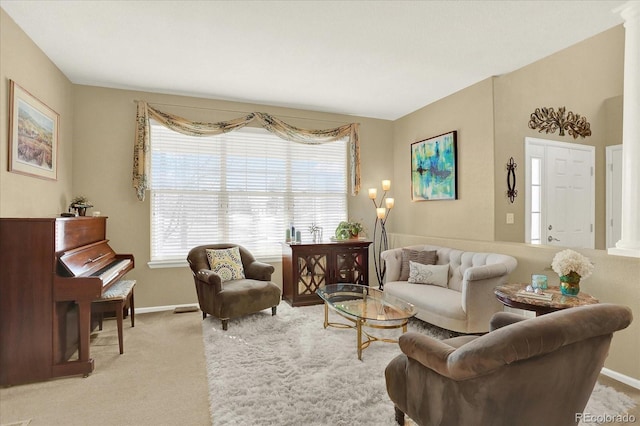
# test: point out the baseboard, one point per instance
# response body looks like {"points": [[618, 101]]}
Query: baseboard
{"points": [[630, 381], [163, 308]]}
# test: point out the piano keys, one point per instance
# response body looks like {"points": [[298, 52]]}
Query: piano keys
{"points": [[53, 268], [110, 271], [95, 260]]}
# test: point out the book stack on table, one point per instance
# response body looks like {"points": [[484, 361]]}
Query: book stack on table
{"points": [[532, 295]]}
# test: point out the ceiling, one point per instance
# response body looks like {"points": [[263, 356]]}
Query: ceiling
{"points": [[380, 59]]}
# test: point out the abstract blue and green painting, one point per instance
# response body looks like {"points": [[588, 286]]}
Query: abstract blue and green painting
{"points": [[433, 168]]}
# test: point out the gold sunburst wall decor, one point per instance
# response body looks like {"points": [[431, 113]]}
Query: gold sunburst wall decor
{"points": [[548, 120]]}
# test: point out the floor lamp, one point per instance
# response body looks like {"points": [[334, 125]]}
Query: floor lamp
{"points": [[380, 241]]}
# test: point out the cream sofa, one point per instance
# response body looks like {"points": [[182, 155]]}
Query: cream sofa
{"points": [[467, 303]]}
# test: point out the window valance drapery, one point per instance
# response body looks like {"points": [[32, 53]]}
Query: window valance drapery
{"points": [[141, 160]]}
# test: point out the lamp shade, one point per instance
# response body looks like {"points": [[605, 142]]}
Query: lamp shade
{"points": [[390, 202]]}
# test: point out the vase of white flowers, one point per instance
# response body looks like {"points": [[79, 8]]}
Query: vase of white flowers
{"points": [[571, 266]]}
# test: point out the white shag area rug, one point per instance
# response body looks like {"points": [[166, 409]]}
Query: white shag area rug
{"points": [[289, 370]]}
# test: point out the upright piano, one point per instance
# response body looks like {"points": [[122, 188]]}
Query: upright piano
{"points": [[51, 269]]}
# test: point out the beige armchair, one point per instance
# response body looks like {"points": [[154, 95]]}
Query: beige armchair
{"points": [[538, 371], [234, 298]]}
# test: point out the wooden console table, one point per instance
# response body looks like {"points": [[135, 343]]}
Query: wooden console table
{"points": [[306, 267]]}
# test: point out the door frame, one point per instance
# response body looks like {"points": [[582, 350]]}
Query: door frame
{"points": [[532, 149], [612, 214]]}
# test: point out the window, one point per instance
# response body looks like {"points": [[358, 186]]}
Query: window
{"points": [[245, 187], [534, 189], [536, 201]]}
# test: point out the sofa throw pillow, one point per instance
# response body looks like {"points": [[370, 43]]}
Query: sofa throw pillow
{"points": [[428, 274], [226, 263], [426, 257]]}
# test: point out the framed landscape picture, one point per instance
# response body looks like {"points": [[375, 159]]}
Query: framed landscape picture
{"points": [[434, 169], [33, 135]]}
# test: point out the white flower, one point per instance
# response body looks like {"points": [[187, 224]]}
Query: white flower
{"points": [[567, 261]]}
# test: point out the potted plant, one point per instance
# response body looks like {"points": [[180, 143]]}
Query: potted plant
{"points": [[80, 204], [346, 230]]}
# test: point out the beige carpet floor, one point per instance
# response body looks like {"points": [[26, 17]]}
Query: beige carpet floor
{"points": [[627, 390], [159, 380]]}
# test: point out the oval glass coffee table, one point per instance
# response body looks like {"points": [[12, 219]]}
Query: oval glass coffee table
{"points": [[365, 307]]}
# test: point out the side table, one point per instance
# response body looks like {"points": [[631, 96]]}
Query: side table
{"points": [[508, 295], [307, 267]]}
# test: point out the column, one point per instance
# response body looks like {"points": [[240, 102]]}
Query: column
{"points": [[629, 244]]}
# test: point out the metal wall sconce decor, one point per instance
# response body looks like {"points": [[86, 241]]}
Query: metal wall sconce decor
{"points": [[512, 192], [548, 120]]}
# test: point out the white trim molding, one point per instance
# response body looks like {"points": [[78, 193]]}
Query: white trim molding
{"points": [[629, 244], [634, 383], [166, 308]]}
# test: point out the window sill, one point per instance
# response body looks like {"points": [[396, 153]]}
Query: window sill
{"points": [[179, 263]]}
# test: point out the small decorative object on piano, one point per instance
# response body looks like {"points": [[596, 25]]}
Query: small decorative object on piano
{"points": [[80, 204]]}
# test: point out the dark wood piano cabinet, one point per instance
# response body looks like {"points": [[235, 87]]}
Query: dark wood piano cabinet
{"points": [[45, 306]]}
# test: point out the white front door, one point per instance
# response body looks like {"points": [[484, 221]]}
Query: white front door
{"points": [[569, 207], [566, 193]]}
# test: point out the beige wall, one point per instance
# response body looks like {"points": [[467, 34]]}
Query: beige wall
{"points": [[587, 78], [581, 78], [23, 62], [103, 131], [470, 113], [96, 132]]}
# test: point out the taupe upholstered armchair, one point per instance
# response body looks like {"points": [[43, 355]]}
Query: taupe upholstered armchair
{"points": [[538, 371], [234, 298]]}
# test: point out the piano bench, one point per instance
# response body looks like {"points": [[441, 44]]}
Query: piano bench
{"points": [[119, 299]]}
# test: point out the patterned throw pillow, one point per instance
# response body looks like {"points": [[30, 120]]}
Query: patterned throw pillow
{"points": [[429, 274], [426, 257], [226, 263]]}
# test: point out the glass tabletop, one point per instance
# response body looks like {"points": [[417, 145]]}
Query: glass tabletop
{"points": [[364, 302]]}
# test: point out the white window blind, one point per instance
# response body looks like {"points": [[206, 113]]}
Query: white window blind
{"points": [[246, 187]]}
